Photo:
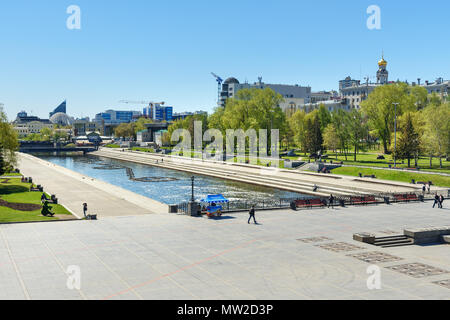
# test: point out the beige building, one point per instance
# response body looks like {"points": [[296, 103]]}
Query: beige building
{"points": [[24, 129]]}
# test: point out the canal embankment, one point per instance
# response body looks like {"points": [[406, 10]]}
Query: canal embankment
{"points": [[321, 185], [73, 189]]}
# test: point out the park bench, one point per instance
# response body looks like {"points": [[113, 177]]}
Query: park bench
{"points": [[309, 203], [53, 199], [316, 203], [363, 200], [412, 197], [406, 197], [38, 188]]}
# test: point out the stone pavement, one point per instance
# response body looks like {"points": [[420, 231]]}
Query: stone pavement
{"points": [[73, 189], [290, 255]]}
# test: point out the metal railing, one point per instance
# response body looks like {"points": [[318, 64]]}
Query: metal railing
{"points": [[355, 200]]}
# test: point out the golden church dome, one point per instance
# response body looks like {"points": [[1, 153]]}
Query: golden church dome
{"points": [[382, 62]]}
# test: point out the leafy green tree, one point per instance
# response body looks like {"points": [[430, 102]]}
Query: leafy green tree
{"points": [[314, 139], [2, 161], [408, 143], [8, 140], [420, 96], [340, 122], [139, 125], [125, 130], [296, 125], [380, 110], [357, 130], [324, 117], [331, 138], [437, 130]]}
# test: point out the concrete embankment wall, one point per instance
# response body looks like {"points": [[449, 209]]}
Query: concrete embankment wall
{"points": [[73, 189], [289, 180]]}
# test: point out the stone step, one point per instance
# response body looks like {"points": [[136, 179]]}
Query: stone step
{"points": [[398, 245], [391, 238], [394, 242]]}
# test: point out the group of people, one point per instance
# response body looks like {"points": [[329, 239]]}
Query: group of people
{"points": [[426, 187], [438, 200]]}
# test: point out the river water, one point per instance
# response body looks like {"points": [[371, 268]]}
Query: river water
{"points": [[164, 185]]}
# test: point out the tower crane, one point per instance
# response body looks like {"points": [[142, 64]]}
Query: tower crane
{"points": [[219, 82], [141, 102]]}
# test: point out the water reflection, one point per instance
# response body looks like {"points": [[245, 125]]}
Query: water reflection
{"points": [[164, 185]]}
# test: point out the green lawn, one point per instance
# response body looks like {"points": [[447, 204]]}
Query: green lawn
{"points": [[370, 160], [149, 150], [12, 174], [17, 192], [113, 146], [437, 180]]}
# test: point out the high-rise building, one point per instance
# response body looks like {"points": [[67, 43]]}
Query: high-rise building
{"points": [[293, 94], [62, 108], [116, 117], [163, 113]]}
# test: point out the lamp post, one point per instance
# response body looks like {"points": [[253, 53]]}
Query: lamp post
{"points": [[395, 136], [192, 197]]}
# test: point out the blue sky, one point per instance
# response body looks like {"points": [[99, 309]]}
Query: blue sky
{"points": [[165, 50]]}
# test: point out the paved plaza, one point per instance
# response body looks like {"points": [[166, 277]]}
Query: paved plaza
{"points": [[291, 255]]}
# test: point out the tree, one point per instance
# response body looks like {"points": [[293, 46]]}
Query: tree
{"points": [[340, 122], [380, 110], [331, 138], [46, 134], [2, 162], [409, 141], [437, 130], [255, 109], [314, 140], [8, 140], [296, 125], [140, 124], [125, 130], [324, 117], [357, 130]]}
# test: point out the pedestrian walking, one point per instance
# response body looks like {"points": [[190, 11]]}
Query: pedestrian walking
{"points": [[252, 215], [429, 188], [441, 201], [85, 208], [424, 188], [436, 201], [331, 202]]}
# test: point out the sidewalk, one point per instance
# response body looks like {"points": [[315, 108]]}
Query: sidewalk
{"points": [[73, 189]]}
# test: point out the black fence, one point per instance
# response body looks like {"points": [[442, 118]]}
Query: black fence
{"points": [[343, 201]]}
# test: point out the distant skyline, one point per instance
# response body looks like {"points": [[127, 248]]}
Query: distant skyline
{"points": [[166, 50]]}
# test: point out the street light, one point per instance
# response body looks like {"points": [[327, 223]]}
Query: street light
{"points": [[192, 198], [395, 136]]}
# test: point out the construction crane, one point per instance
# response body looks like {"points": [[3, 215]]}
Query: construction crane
{"points": [[219, 82], [141, 102]]}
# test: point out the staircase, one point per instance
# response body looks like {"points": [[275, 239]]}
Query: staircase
{"points": [[393, 241]]}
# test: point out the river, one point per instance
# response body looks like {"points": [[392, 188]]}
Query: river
{"points": [[165, 185]]}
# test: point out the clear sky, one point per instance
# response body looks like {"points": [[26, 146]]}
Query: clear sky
{"points": [[165, 50]]}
